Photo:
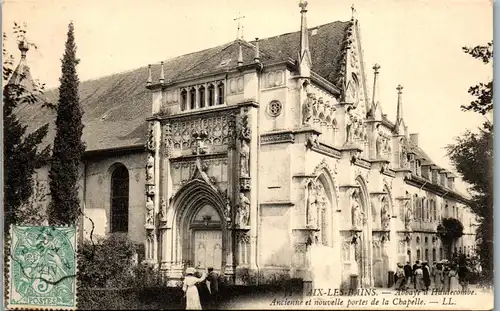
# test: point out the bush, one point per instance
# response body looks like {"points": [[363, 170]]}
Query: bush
{"points": [[105, 262]]}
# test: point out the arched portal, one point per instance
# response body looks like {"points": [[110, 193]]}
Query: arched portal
{"points": [[200, 237], [363, 253]]}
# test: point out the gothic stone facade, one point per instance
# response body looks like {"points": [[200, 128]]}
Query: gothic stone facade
{"points": [[252, 155]]}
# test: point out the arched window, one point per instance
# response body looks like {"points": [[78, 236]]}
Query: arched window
{"points": [[211, 93], [201, 92], [418, 254], [192, 99], [441, 253], [426, 255], [119, 199], [184, 100], [434, 255], [446, 211], [220, 94]]}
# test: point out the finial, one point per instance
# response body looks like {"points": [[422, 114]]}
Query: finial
{"points": [[376, 67], [240, 55], [257, 52], [238, 35], [400, 89], [353, 12], [150, 80], [23, 47], [162, 74], [303, 6]]}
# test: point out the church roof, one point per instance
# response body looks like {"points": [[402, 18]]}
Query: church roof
{"points": [[116, 106]]}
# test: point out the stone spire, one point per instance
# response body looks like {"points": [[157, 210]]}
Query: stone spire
{"points": [[21, 77], [305, 55], [240, 54], [375, 100], [150, 79], [162, 73], [257, 52], [399, 112]]}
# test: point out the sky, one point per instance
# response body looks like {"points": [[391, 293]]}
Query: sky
{"points": [[417, 43]]}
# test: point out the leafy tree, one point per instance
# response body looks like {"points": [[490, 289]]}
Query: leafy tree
{"points": [[472, 156], [483, 91], [449, 230], [68, 145], [21, 149]]}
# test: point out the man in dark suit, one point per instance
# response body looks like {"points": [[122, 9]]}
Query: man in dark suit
{"points": [[408, 274], [417, 263], [213, 287]]}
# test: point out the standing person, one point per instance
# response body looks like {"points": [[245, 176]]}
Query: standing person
{"points": [[454, 284], [190, 289], [419, 278], [400, 277], [446, 278], [408, 274], [438, 276], [426, 275], [417, 263], [463, 276], [213, 287]]}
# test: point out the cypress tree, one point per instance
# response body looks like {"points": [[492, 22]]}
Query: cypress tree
{"points": [[68, 148]]}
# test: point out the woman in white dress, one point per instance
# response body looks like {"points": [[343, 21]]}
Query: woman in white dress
{"points": [[190, 290], [454, 284]]}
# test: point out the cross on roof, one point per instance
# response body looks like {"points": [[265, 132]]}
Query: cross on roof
{"points": [[303, 5], [353, 11], [399, 88], [239, 18]]}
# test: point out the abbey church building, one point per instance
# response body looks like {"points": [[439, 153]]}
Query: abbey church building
{"points": [[252, 157]]}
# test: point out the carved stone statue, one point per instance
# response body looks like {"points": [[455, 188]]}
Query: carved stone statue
{"points": [[404, 157], [378, 144], [384, 215], [150, 211], [321, 108], [307, 109], [312, 207], [228, 209], [150, 168], [244, 210], [356, 214], [408, 215], [244, 159], [349, 128]]}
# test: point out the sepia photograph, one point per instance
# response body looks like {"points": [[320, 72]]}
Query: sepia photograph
{"points": [[288, 154]]}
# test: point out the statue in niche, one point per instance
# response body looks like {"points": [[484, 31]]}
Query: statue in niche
{"points": [[307, 109], [349, 128], [150, 211], [321, 107], [404, 156], [243, 210], [356, 214], [312, 205], [408, 215], [378, 144], [228, 208], [385, 217], [244, 159], [150, 168]]}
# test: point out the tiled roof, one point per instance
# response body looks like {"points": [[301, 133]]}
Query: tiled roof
{"points": [[116, 106]]}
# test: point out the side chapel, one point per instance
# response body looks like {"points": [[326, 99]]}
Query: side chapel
{"points": [[243, 156]]}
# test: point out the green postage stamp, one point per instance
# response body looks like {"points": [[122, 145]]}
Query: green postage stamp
{"points": [[42, 272]]}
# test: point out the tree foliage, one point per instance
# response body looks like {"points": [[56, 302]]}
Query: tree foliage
{"points": [[21, 149], [482, 91], [472, 156], [68, 145]]}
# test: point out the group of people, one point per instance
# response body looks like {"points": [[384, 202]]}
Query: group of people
{"points": [[444, 275], [201, 290]]}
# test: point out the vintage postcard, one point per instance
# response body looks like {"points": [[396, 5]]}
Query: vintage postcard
{"points": [[284, 154]]}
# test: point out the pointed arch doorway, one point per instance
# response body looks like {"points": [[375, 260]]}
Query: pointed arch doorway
{"points": [[200, 236]]}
